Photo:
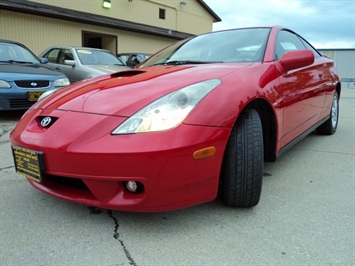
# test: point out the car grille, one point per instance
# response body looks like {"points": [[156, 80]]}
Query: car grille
{"points": [[65, 181], [20, 103], [32, 83]]}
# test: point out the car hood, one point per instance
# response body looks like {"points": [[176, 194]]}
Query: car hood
{"points": [[22, 70], [126, 92]]}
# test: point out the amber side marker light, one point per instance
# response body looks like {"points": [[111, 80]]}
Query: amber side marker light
{"points": [[204, 153]]}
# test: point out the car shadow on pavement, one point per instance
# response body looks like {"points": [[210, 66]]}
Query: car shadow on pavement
{"points": [[11, 115]]}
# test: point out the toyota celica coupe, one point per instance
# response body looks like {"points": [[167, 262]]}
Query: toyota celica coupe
{"points": [[196, 120]]}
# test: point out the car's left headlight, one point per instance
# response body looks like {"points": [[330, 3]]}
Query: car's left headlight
{"points": [[169, 111], [61, 82]]}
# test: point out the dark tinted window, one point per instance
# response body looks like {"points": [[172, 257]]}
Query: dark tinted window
{"points": [[52, 55]]}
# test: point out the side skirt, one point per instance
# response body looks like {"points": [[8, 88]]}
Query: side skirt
{"points": [[300, 137]]}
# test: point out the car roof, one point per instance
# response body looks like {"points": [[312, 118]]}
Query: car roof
{"points": [[133, 53], [76, 47], [13, 42]]}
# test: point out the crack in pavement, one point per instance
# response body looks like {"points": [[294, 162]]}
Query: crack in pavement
{"points": [[4, 141], [331, 152], [7, 167], [117, 236]]}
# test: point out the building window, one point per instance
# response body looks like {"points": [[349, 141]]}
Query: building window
{"points": [[161, 13]]}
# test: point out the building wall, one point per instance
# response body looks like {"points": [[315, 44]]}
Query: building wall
{"points": [[38, 33], [190, 18], [345, 62]]}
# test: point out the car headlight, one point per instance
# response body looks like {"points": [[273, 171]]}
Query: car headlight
{"points": [[169, 111], [45, 94], [61, 82], [4, 84]]}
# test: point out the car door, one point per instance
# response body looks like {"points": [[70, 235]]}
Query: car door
{"points": [[302, 90], [65, 56], [56, 58], [53, 56]]}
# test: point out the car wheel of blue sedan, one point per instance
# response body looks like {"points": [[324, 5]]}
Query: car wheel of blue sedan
{"points": [[243, 163], [330, 126]]}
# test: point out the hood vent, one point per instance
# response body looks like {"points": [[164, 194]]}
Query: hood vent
{"points": [[128, 73]]}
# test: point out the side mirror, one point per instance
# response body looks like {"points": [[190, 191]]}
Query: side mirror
{"points": [[43, 60], [295, 59], [69, 62]]}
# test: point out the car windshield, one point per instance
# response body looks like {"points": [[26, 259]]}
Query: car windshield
{"points": [[97, 57], [240, 45], [14, 53]]}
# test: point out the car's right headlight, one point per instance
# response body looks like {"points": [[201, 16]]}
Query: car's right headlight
{"points": [[61, 82], [168, 111]]}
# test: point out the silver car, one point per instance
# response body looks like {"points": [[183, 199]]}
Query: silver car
{"points": [[79, 63]]}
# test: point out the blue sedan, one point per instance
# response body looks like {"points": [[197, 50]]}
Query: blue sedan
{"points": [[24, 77]]}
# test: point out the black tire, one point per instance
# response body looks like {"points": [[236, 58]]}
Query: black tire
{"points": [[243, 162], [330, 126]]}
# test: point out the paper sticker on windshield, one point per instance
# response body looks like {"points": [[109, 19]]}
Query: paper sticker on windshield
{"points": [[84, 52]]}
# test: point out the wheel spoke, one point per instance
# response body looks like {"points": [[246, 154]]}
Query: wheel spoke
{"points": [[334, 111]]}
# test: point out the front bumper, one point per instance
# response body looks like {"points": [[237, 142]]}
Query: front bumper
{"points": [[87, 165], [18, 99]]}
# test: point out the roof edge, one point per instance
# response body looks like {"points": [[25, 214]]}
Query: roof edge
{"points": [[213, 14], [34, 8]]}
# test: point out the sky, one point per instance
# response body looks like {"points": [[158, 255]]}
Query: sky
{"points": [[323, 23]]}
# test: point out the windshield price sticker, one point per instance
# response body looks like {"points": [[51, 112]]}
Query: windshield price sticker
{"points": [[28, 163]]}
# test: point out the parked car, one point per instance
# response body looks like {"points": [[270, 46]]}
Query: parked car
{"points": [[197, 118], [132, 59], [80, 63], [24, 77]]}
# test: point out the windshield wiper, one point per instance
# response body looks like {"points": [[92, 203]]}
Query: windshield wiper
{"points": [[14, 61], [187, 62]]}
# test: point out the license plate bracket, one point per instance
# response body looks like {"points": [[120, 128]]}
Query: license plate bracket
{"points": [[33, 96], [28, 162]]}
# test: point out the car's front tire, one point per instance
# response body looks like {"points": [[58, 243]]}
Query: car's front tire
{"points": [[330, 126], [242, 169]]}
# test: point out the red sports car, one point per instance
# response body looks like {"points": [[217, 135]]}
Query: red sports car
{"points": [[195, 120]]}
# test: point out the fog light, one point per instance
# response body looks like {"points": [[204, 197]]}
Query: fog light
{"points": [[134, 187]]}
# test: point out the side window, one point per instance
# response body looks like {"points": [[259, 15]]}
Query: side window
{"points": [[286, 42], [68, 55], [310, 47], [65, 55], [52, 55], [123, 58]]}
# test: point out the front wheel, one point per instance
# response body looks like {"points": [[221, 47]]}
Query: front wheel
{"points": [[243, 162], [330, 126]]}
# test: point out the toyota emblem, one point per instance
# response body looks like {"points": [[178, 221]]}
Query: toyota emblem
{"points": [[46, 121], [33, 84]]}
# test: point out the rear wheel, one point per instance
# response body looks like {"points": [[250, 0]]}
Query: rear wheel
{"points": [[330, 126], [243, 162]]}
